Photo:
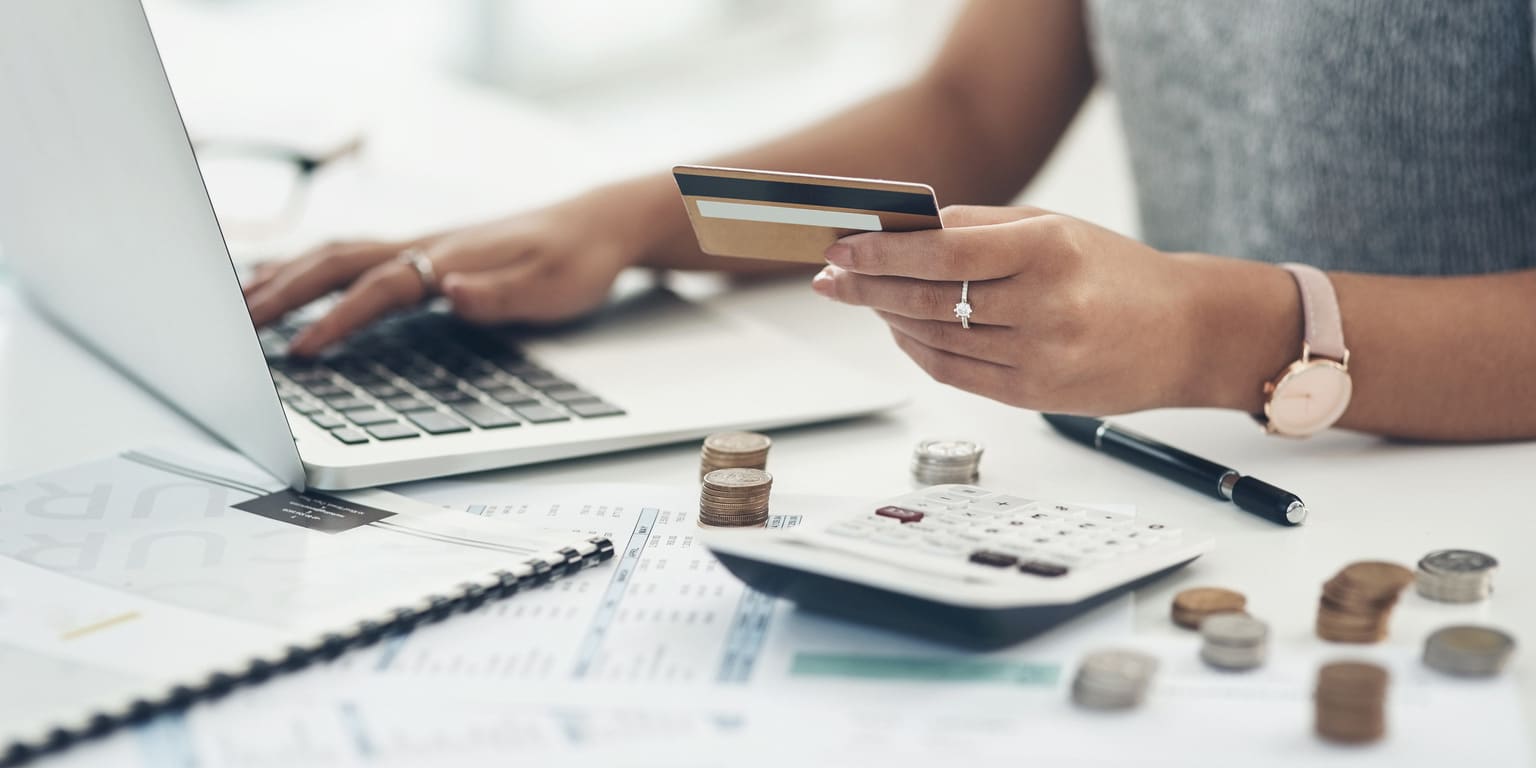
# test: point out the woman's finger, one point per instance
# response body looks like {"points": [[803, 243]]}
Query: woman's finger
{"points": [[310, 277], [981, 342], [502, 295], [918, 299], [261, 274], [972, 375], [387, 287], [935, 254]]}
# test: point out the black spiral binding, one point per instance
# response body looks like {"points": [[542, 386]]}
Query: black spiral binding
{"points": [[500, 585]]}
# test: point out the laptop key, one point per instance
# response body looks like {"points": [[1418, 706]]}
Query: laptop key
{"points": [[592, 409], [437, 423], [369, 417], [406, 404], [384, 390], [302, 405], [349, 435], [324, 389], [484, 416], [540, 414], [328, 420], [347, 403], [510, 396], [487, 381], [394, 431], [451, 395], [568, 396], [547, 382]]}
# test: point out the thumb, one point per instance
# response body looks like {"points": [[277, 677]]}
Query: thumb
{"points": [[983, 215]]}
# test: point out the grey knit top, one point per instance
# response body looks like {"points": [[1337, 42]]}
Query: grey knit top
{"points": [[1391, 136]]}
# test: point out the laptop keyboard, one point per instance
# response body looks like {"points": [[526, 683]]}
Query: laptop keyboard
{"points": [[421, 375]]}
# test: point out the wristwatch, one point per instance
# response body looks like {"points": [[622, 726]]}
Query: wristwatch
{"points": [[1311, 393]]}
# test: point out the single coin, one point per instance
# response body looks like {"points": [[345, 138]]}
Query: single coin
{"points": [[1191, 606], [1457, 561], [737, 478], [1377, 577], [948, 450], [738, 442], [1233, 629], [1467, 650]]}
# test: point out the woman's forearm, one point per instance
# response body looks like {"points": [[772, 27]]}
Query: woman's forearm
{"points": [[976, 126], [1431, 358]]}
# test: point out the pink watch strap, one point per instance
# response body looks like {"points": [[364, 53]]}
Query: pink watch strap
{"points": [[1323, 328]]}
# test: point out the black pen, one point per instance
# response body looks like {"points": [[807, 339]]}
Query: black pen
{"points": [[1206, 476]]}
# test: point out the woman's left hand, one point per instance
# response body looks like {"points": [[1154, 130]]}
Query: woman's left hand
{"points": [[1067, 317]]}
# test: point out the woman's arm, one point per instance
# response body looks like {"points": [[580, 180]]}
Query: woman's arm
{"points": [[1071, 317], [976, 126], [1431, 358]]}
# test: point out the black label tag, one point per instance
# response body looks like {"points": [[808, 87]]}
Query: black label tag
{"points": [[315, 511]]}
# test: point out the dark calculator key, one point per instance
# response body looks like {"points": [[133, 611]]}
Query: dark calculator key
{"points": [[485, 416], [407, 404], [592, 409], [349, 436], [437, 423], [510, 396], [1041, 568], [523, 369], [994, 559], [328, 420], [347, 403], [370, 417], [383, 390], [392, 431], [571, 395], [540, 414], [306, 375], [303, 406], [324, 389], [900, 514]]}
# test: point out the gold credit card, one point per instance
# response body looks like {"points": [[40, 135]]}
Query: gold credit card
{"points": [[795, 216]]}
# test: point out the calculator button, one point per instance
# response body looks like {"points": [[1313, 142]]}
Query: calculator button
{"points": [[950, 499], [993, 558], [900, 514], [969, 491], [894, 537], [1042, 568], [852, 529], [1002, 503]]}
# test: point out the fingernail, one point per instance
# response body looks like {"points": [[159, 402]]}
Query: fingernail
{"points": [[840, 255], [823, 284]]}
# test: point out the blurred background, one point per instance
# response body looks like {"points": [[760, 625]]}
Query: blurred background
{"points": [[318, 119]]}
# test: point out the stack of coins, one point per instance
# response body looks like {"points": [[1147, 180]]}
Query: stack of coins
{"points": [[1113, 679], [937, 462], [734, 450], [1234, 641], [1468, 651], [735, 498], [1191, 606], [1357, 602], [1351, 701], [1456, 576]]}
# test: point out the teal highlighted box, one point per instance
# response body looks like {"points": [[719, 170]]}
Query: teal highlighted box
{"points": [[924, 668]]}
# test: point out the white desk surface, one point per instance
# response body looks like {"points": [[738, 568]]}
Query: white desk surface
{"points": [[1369, 498]]}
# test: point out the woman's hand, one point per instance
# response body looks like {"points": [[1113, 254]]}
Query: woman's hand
{"points": [[544, 266], [1068, 316]]}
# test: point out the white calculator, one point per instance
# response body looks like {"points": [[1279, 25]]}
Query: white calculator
{"points": [[957, 563]]}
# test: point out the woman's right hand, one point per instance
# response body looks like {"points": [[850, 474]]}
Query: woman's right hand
{"points": [[544, 266]]}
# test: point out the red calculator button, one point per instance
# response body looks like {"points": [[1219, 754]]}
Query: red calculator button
{"points": [[898, 513]]}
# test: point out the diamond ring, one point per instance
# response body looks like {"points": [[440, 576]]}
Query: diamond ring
{"points": [[963, 309], [417, 259]]}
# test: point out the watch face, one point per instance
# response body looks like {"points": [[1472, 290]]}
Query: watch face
{"points": [[1309, 398]]}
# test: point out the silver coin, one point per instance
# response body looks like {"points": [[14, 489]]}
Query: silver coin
{"points": [[1233, 629], [737, 478], [1468, 650], [1116, 663], [948, 450], [1457, 561], [738, 442]]}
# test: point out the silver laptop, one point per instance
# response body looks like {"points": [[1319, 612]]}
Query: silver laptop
{"points": [[105, 222]]}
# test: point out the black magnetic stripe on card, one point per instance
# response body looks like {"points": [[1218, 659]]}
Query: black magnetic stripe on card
{"points": [[799, 193]]}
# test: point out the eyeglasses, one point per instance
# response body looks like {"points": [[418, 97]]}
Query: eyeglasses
{"points": [[259, 189]]}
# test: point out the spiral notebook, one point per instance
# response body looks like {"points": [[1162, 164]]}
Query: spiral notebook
{"points": [[152, 580]]}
